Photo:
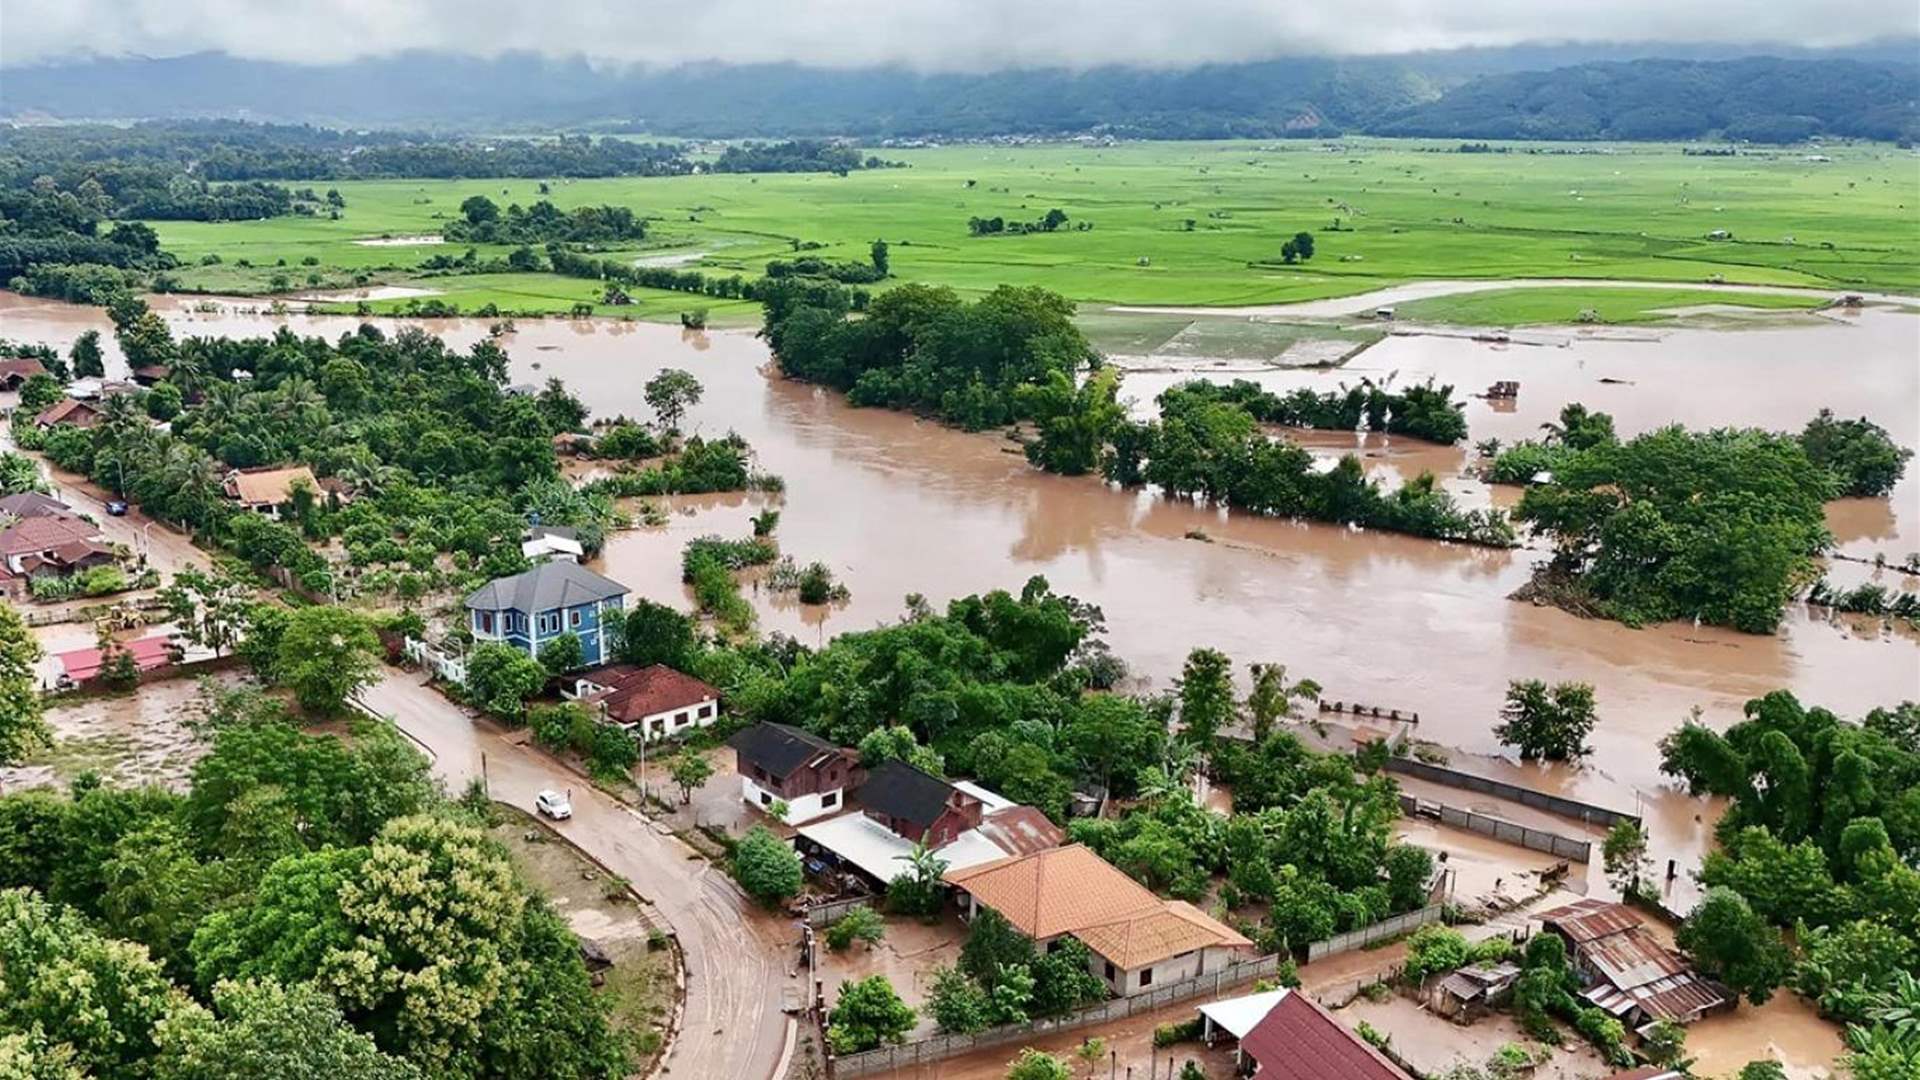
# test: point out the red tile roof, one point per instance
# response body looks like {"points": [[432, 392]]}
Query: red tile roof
{"points": [[38, 534], [652, 690], [1299, 1040]]}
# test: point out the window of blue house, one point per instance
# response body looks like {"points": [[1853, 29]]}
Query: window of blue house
{"points": [[483, 621]]}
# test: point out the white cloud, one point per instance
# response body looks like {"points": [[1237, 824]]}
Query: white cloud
{"points": [[934, 35]]}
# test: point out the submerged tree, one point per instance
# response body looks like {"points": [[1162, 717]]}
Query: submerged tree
{"points": [[1550, 723]]}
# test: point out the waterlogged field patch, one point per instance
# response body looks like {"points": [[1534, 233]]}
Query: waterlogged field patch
{"points": [[1565, 306]]}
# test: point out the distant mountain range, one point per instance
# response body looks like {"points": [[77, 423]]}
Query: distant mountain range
{"points": [[1569, 92]]}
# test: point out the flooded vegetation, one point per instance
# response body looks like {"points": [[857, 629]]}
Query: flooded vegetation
{"points": [[897, 505]]}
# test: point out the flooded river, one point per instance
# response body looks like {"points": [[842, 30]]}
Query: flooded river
{"points": [[898, 506]]}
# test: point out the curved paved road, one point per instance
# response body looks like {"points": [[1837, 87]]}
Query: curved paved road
{"points": [[739, 959]]}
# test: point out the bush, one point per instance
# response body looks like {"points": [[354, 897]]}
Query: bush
{"points": [[1433, 949], [766, 867], [1184, 1031], [861, 924]]}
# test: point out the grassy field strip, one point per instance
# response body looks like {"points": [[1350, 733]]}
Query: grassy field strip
{"points": [[1195, 224]]}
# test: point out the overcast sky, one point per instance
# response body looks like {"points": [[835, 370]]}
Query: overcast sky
{"points": [[927, 34]]}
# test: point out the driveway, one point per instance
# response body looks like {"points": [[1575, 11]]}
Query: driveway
{"points": [[739, 959]]}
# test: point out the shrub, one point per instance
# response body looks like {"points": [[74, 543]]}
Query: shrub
{"points": [[861, 924], [1183, 1031], [766, 867]]}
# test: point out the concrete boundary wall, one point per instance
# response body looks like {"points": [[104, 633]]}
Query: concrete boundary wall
{"points": [[1539, 800]]}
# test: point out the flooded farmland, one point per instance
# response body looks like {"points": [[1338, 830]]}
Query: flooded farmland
{"points": [[897, 505]]}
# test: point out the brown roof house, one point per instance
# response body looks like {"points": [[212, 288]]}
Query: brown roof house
{"points": [[1633, 977], [1138, 940], [16, 370], [80, 414], [657, 700], [53, 544], [270, 491], [1299, 1040], [784, 764]]}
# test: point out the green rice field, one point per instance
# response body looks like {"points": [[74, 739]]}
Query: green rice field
{"points": [[1179, 223]]}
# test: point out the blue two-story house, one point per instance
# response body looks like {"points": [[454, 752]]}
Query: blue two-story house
{"points": [[528, 610]]}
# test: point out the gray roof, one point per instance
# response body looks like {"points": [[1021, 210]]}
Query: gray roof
{"points": [[545, 587], [28, 504]]}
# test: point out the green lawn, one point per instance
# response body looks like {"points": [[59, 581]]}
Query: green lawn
{"points": [[1562, 306], [1627, 212]]}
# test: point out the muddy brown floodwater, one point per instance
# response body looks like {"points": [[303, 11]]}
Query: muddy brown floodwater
{"points": [[897, 505]]}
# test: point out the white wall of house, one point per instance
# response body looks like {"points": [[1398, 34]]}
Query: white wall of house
{"points": [[801, 809], [1129, 981], [666, 725]]}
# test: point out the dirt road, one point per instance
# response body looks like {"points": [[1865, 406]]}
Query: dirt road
{"points": [[738, 958]]}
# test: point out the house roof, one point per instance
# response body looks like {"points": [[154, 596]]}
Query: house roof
{"points": [[1299, 1040], [993, 799], [45, 533], [1178, 927], [67, 411], [20, 367], [1587, 920], [1238, 1015], [28, 504], [652, 690], [1070, 890], [269, 487], [1019, 830], [777, 748], [78, 550], [862, 841], [83, 664], [545, 587], [898, 790]]}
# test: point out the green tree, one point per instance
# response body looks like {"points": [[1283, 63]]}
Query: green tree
{"points": [[1037, 1065], [1767, 1069], [898, 743], [1732, 943], [1434, 949], [1114, 736], [1624, 855], [211, 610], [501, 678], [877, 252], [656, 634], [1063, 979], [326, 655], [88, 359], [957, 1003], [95, 1001], [918, 890], [1409, 869], [1206, 696], [867, 1014], [992, 943], [563, 654], [1547, 723], [23, 730], [1303, 245], [39, 392], [19, 473], [261, 1028], [1863, 458], [1272, 698], [766, 867], [862, 924], [689, 770], [670, 394], [1665, 1045]]}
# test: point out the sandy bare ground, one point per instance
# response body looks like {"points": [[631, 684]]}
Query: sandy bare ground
{"points": [[144, 737]]}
